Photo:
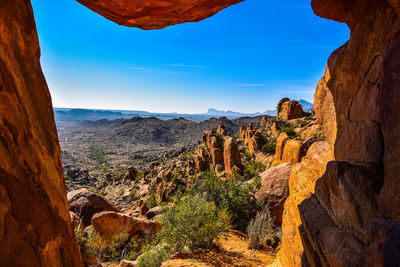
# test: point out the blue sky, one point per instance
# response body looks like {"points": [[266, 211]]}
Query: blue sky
{"points": [[244, 58]]}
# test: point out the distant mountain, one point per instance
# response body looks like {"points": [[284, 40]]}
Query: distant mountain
{"points": [[306, 105]]}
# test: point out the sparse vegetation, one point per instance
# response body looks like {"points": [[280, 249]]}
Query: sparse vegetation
{"points": [[113, 250], [269, 148], [233, 195], [261, 229], [319, 134], [193, 223], [97, 154], [152, 256], [253, 170], [289, 131]]}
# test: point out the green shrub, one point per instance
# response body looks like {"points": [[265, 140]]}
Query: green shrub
{"points": [[152, 256], [261, 229], [247, 155], [269, 148], [98, 155], [319, 134], [193, 223], [253, 170], [86, 250], [117, 248], [233, 195], [289, 131]]}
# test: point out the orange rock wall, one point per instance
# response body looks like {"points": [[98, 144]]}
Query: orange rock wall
{"points": [[34, 219], [355, 204], [156, 14]]}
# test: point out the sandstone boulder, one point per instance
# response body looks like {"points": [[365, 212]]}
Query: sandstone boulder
{"points": [[86, 204], [292, 151], [221, 130], [131, 174], [302, 181], [242, 132], [109, 224], [233, 163], [153, 212], [275, 189], [255, 143], [201, 158], [280, 144], [290, 109], [264, 121]]}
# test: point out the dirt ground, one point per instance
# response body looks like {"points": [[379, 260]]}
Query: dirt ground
{"points": [[233, 250]]}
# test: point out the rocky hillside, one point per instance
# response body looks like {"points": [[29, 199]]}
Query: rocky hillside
{"points": [[122, 143], [244, 173]]}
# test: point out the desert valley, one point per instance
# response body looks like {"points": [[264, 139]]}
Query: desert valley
{"points": [[303, 185]]}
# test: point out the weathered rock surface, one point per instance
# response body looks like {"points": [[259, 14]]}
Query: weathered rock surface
{"points": [[233, 163], [35, 225], [153, 212], [289, 109], [109, 224], [292, 151], [275, 189], [280, 145], [302, 181], [86, 204], [156, 14]]}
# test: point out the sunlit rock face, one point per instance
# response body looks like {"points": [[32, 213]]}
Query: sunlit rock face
{"points": [[156, 14], [34, 219], [355, 204]]}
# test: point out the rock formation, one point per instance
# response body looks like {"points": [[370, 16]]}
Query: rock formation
{"points": [[289, 109], [109, 224], [233, 163], [35, 225], [86, 204], [275, 189], [357, 104], [264, 121], [156, 14]]}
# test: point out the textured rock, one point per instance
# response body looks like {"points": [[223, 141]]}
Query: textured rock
{"points": [[233, 163], [325, 111], [275, 189], [280, 144], [302, 181], [264, 121], [289, 109], [255, 143], [166, 186], [109, 224], [156, 14], [153, 212], [384, 248], [86, 204], [221, 130], [35, 225], [292, 151], [338, 219], [242, 132], [131, 174]]}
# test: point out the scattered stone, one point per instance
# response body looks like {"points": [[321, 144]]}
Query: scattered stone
{"points": [[109, 224], [85, 204]]}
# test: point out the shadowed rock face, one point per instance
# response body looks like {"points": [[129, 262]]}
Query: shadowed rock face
{"points": [[156, 14], [361, 86]]}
